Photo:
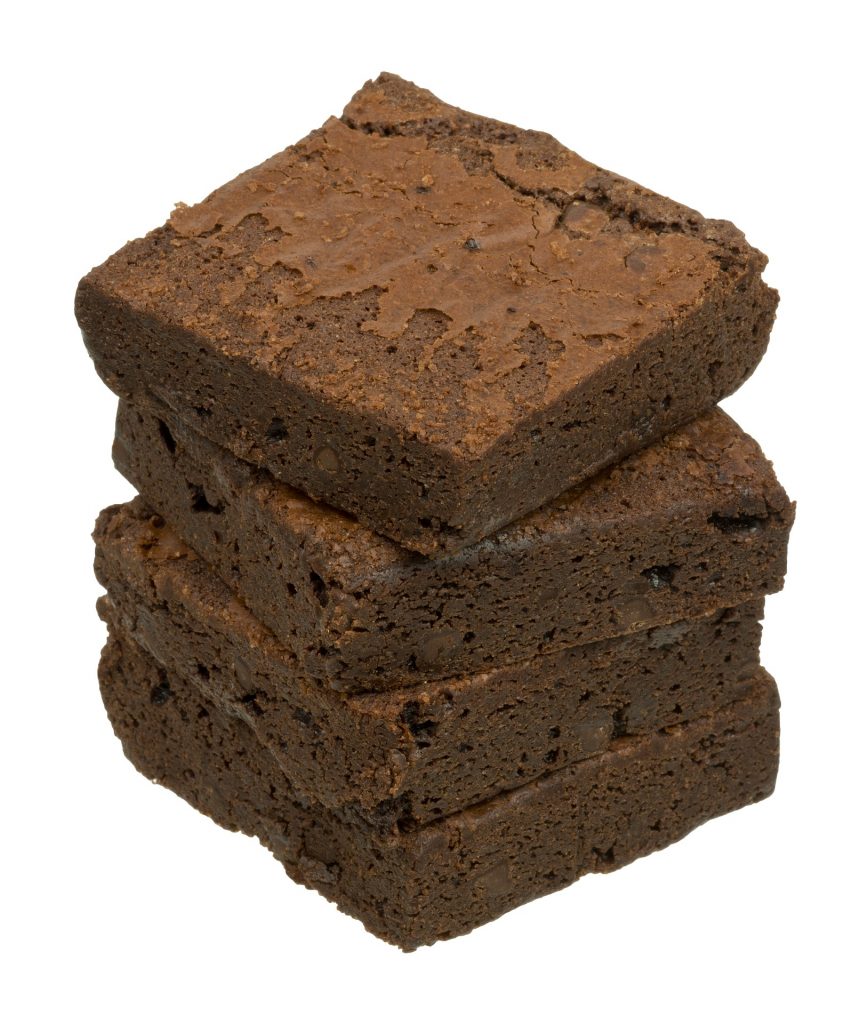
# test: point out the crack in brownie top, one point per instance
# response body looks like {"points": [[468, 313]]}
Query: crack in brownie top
{"points": [[446, 272]]}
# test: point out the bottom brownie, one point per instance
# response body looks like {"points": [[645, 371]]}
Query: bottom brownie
{"points": [[418, 753], [414, 887]]}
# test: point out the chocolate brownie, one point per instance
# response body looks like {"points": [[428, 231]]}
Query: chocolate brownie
{"points": [[695, 522], [430, 319], [420, 885], [415, 753]]}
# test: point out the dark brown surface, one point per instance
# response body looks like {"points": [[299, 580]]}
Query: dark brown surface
{"points": [[445, 879], [696, 522], [430, 319], [422, 752]]}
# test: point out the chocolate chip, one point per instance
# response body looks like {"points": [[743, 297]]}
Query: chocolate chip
{"points": [[327, 460], [411, 715], [472, 244], [320, 591], [276, 430], [249, 700], [306, 719], [439, 647], [660, 576], [167, 437], [200, 503], [161, 693], [737, 523], [618, 722]]}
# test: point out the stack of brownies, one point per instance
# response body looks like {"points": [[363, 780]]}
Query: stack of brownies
{"points": [[446, 575]]}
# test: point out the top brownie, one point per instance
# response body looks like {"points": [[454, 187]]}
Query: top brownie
{"points": [[430, 319]]}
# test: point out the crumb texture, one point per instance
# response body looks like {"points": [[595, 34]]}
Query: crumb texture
{"points": [[420, 752], [433, 321], [444, 879], [696, 522]]}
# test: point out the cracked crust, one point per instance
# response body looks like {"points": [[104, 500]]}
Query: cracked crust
{"points": [[449, 319]]}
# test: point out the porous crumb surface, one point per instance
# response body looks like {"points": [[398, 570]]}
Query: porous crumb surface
{"points": [[693, 523], [415, 887], [430, 319], [419, 752]]}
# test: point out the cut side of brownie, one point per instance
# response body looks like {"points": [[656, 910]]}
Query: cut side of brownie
{"points": [[419, 752], [694, 523], [417, 886], [429, 319]]}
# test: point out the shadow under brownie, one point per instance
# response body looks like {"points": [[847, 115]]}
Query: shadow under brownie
{"points": [[415, 887], [696, 522], [430, 319], [420, 752]]}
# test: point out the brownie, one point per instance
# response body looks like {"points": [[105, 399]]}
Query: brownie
{"points": [[696, 522], [419, 752], [429, 319], [420, 885]]}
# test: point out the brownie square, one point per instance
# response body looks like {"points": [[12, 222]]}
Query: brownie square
{"points": [[429, 319], [414, 887], [414, 754], [696, 522]]}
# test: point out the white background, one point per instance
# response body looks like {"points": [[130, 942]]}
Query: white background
{"points": [[119, 902]]}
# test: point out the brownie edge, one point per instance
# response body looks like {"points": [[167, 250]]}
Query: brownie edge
{"points": [[695, 522], [417, 753], [446, 879], [537, 320]]}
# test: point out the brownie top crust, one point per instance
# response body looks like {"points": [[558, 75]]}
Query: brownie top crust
{"points": [[446, 274]]}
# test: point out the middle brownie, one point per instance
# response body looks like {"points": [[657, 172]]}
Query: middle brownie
{"points": [[416, 753], [696, 522]]}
